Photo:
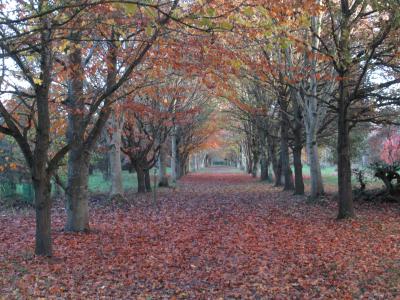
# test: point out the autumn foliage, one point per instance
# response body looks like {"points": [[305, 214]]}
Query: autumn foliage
{"points": [[218, 236], [391, 149]]}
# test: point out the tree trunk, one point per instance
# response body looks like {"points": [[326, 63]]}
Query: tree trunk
{"points": [[78, 160], [82, 142], [298, 170], [346, 209], [278, 172], [297, 147], [287, 172], [264, 162], [38, 162], [317, 186], [115, 156], [163, 179], [77, 205], [173, 157], [140, 175], [42, 187], [254, 167], [181, 166], [147, 180]]}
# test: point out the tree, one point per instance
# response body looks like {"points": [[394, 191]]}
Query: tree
{"points": [[359, 42]]}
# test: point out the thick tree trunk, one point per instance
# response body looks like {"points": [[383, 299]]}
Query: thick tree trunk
{"points": [[42, 187], [346, 209], [147, 180], [77, 205], [38, 162], [82, 142], [115, 156], [163, 178], [140, 175]]}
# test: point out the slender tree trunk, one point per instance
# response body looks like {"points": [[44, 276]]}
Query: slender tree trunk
{"points": [[276, 163], [249, 161], [147, 180], [264, 167], [278, 172], [298, 166], [297, 147], [173, 157], [313, 115], [115, 156], [163, 179], [298, 170], [287, 172], [254, 167], [106, 170], [141, 181]]}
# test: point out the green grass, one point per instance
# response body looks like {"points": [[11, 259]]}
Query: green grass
{"points": [[329, 175], [97, 184]]}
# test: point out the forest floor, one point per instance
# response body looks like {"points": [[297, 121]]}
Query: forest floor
{"points": [[215, 236]]}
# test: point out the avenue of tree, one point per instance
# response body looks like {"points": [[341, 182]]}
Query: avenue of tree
{"points": [[149, 80]]}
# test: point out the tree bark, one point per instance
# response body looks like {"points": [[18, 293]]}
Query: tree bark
{"points": [[77, 205], [163, 179], [287, 172], [317, 186], [78, 161], [43, 242], [298, 170], [173, 156], [254, 167], [297, 147], [278, 172], [276, 165], [346, 208], [147, 180], [264, 162], [140, 175], [115, 155]]}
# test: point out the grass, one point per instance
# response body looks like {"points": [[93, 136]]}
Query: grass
{"points": [[329, 175], [98, 184]]}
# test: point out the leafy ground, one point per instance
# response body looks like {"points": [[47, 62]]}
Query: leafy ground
{"points": [[216, 236]]}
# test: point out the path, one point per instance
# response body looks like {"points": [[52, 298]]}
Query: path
{"points": [[217, 236]]}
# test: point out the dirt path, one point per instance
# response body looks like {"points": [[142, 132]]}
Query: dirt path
{"points": [[220, 235]]}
